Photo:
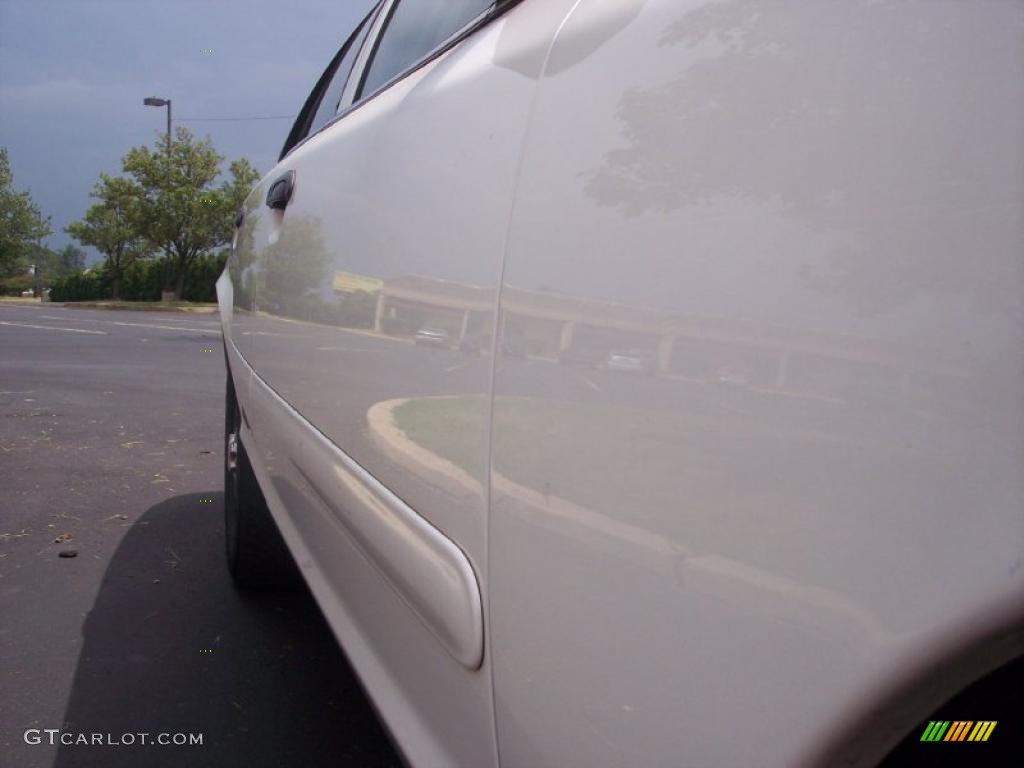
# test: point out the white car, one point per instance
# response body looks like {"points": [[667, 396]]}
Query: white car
{"points": [[628, 362], [531, 565], [432, 337]]}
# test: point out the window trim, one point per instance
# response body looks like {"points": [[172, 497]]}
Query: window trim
{"points": [[300, 131], [449, 42], [365, 57]]}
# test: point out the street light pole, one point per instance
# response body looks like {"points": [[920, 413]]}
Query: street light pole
{"points": [[153, 101], [37, 290]]}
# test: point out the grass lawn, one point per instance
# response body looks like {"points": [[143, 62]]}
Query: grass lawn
{"points": [[714, 476], [588, 454], [447, 426]]}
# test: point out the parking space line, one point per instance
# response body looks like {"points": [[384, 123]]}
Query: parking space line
{"points": [[53, 328], [139, 325], [167, 327]]}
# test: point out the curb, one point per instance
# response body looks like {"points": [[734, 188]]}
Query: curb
{"points": [[397, 446], [710, 572]]}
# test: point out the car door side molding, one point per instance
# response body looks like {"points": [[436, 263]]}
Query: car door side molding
{"points": [[427, 570]]}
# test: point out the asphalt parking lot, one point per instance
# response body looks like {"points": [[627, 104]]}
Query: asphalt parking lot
{"points": [[110, 446]]}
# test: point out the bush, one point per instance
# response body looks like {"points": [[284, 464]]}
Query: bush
{"points": [[143, 281], [14, 285], [201, 281], [79, 286]]}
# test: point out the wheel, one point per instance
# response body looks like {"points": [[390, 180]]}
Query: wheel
{"points": [[257, 557]]}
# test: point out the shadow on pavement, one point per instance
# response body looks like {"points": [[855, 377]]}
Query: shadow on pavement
{"points": [[170, 647]]}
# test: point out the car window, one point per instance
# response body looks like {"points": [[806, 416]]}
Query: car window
{"points": [[328, 106], [414, 29], [322, 103]]}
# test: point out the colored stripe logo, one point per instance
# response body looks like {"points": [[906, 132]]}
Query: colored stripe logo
{"points": [[958, 730]]}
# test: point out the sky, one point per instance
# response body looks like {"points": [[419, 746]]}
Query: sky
{"points": [[73, 74]]}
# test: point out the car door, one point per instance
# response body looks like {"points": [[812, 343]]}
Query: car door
{"points": [[252, 225], [807, 216], [372, 449]]}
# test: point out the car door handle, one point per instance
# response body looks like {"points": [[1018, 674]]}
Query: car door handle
{"points": [[280, 192]]}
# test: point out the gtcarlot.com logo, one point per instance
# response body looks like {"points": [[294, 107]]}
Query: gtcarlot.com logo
{"points": [[54, 736]]}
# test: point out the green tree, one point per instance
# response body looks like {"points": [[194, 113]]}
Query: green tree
{"points": [[42, 260], [67, 260], [50, 265], [21, 223], [111, 225], [181, 210], [294, 269]]}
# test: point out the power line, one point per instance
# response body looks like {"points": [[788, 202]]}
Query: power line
{"points": [[234, 119]]}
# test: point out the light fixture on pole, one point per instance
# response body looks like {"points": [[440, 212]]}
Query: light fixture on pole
{"points": [[152, 101]]}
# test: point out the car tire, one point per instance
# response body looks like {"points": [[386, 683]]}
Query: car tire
{"points": [[257, 557]]}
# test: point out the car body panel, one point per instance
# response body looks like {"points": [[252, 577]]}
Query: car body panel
{"points": [[427, 570], [804, 221], [233, 357], [396, 654], [333, 375], [333, 290], [812, 212]]}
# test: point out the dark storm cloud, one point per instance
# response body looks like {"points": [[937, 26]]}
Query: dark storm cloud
{"points": [[73, 74]]}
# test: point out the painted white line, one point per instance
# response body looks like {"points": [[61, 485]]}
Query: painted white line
{"points": [[269, 333], [591, 384], [139, 325], [455, 367], [77, 319], [53, 328], [167, 327], [99, 320]]}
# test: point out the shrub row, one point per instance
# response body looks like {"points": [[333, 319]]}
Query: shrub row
{"points": [[142, 281]]}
